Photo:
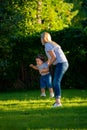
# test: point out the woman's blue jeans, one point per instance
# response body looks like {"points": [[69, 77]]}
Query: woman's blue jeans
{"points": [[58, 75]]}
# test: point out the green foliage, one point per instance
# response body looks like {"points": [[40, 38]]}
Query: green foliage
{"points": [[73, 42], [20, 17], [21, 23]]}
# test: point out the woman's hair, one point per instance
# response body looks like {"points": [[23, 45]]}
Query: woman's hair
{"points": [[47, 38]]}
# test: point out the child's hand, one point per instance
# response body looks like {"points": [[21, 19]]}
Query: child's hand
{"points": [[31, 65]]}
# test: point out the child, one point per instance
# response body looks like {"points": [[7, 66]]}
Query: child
{"points": [[45, 78]]}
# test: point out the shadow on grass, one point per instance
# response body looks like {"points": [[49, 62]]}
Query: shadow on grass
{"points": [[27, 116], [62, 118]]}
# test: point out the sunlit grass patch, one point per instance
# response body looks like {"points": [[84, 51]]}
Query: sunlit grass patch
{"points": [[77, 101], [25, 104], [35, 102], [27, 110]]}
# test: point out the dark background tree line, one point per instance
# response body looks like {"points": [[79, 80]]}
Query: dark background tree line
{"points": [[22, 21]]}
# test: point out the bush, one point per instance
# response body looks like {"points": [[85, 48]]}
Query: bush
{"points": [[16, 69]]}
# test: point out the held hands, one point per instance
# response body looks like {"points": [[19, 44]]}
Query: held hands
{"points": [[48, 62]]}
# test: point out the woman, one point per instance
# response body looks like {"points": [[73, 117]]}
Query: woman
{"points": [[56, 57]]}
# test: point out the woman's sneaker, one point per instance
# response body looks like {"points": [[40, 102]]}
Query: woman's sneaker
{"points": [[57, 105]]}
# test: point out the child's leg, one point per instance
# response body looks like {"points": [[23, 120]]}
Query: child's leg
{"points": [[43, 92], [51, 92], [49, 84], [42, 86]]}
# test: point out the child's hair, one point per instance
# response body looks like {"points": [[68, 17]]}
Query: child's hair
{"points": [[41, 57]]}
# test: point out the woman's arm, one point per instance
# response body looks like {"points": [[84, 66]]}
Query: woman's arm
{"points": [[52, 59], [33, 66]]}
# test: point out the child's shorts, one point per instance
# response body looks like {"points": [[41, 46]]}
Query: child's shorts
{"points": [[46, 81]]}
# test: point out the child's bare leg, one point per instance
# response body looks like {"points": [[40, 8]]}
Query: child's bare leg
{"points": [[43, 92], [51, 92]]}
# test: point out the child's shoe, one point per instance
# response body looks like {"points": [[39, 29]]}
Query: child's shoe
{"points": [[43, 95], [51, 95]]}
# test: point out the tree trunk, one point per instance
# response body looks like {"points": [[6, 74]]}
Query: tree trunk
{"points": [[39, 9]]}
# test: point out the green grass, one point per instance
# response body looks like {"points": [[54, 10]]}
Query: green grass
{"points": [[27, 110]]}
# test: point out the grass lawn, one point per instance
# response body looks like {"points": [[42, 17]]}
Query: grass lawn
{"points": [[28, 111]]}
